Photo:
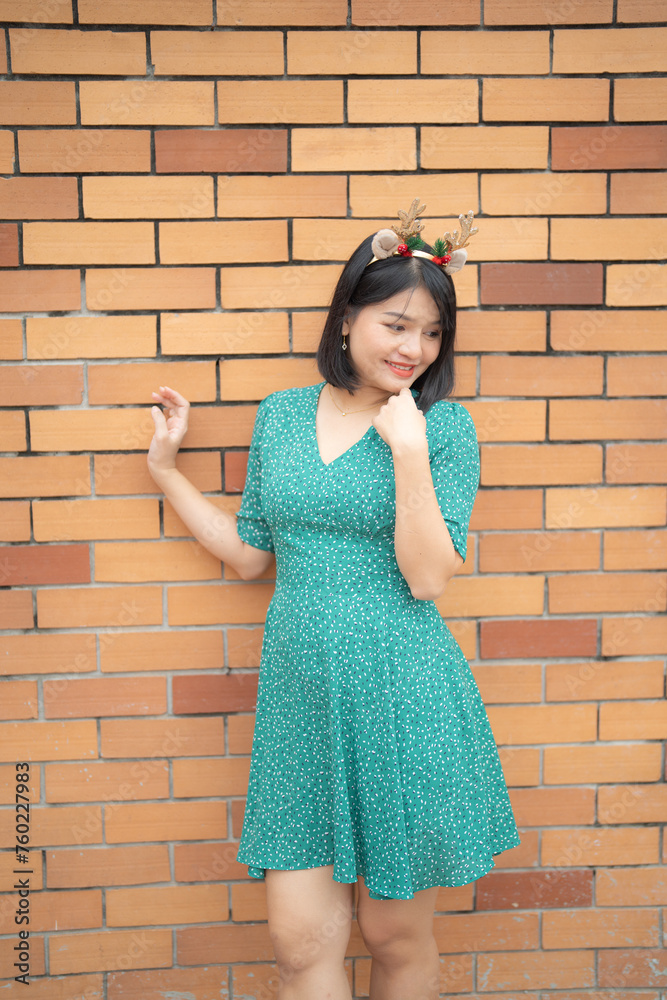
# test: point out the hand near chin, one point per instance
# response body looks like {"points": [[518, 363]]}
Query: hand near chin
{"points": [[401, 423]]}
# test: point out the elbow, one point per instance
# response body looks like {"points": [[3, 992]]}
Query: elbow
{"points": [[423, 591]]}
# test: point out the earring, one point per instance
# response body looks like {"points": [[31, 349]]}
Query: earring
{"points": [[344, 344]]}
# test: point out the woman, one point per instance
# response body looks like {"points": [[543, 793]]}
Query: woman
{"points": [[373, 762]]}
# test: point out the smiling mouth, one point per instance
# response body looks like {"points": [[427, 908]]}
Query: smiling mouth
{"points": [[405, 369]]}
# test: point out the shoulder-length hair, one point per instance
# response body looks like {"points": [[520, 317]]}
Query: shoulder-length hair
{"points": [[359, 286]]}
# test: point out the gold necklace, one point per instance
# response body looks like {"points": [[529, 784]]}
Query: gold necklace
{"points": [[345, 412]]}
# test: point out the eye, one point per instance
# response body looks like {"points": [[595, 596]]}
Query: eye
{"points": [[434, 333]]}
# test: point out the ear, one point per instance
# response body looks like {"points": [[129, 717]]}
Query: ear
{"points": [[346, 324]]}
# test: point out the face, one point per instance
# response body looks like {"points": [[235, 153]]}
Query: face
{"points": [[403, 330]]}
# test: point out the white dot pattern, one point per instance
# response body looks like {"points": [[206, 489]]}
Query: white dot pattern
{"points": [[372, 748]]}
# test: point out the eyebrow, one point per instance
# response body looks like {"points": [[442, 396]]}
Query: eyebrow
{"points": [[408, 319]]}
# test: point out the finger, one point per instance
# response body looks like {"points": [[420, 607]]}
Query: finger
{"points": [[174, 396], [158, 420]]}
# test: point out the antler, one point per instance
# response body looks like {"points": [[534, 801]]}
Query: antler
{"points": [[467, 230], [411, 226]]}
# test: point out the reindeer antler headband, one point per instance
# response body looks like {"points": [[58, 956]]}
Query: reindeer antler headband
{"points": [[405, 241]]}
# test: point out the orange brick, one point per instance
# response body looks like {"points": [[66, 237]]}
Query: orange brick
{"points": [[48, 654], [242, 380], [188, 650], [14, 521], [349, 53], [280, 12], [517, 376], [224, 333], [635, 550], [600, 681], [40, 291], [9, 244], [151, 288], [52, 911], [201, 605], [12, 422], [37, 964], [101, 696], [639, 194], [553, 806], [417, 12], [507, 509], [639, 10], [278, 102], [562, 971], [608, 419], [598, 50], [544, 194], [140, 562], [636, 376], [116, 473], [84, 151], [32, 102], [644, 636], [633, 720], [604, 929], [52, 337], [90, 430], [201, 778], [99, 606], [109, 949], [640, 100], [52, 475], [609, 147], [545, 100], [630, 845], [293, 196], [55, 12], [373, 196], [166, 821], [507, 420], [646, 803], [615, 506], [6, 151], [631, 887], [146, 102], [11, 339], [493, 146], [277, 287], [183, 904], [606, 331], [19, 700], [518, 683], [194, 12], [468, 597], [109, 866], [547, 464], [544, 12], [39, 198], [101, 53], [133, 383], [354, 149], [527, 552], [222, 242], [608, 239], [217, 53], [131, 197], [543, 723], [254, 150], [35, 741], [394, 101], [88, 243], [636, 285], [108, 781], [490, 53], [69, 520], [600, 764], [162, 737], [41, 385]]}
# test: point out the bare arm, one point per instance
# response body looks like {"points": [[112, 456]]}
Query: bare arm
{"points": [[214, 529]]}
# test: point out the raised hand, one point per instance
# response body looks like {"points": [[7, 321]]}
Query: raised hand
{"points": [[170, 429]]}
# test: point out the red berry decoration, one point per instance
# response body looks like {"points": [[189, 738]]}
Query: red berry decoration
{"points": [[402, 248], [446, 259]]}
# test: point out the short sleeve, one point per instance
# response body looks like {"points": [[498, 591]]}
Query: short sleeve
{"points": [[250, 523], [455, 470]]}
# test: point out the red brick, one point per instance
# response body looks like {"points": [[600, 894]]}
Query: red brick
{"points": [[534, 890], [632, 967], [523, 639], [609, 147], [603, 929], [207, 862], [40, 291], [22, 565], [221, 151], [194, 695], [541, 284], [9, 245], [86, 987]]}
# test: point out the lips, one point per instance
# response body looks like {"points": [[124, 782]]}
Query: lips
{"points": [[401, 371]]}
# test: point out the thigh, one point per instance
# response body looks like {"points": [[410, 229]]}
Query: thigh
{"points": [[308, 912], [384, 921]]}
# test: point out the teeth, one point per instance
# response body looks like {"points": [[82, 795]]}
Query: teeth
{"points": [[405, 368]]}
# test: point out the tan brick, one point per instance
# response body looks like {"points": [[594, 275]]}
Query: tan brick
{"points": [[545, 100], [636, 285], [639, 194], [48, 654], [133, 383], [146, 102], [56, 520], [597, 507], [11, 339], [77, 607], [84, 151], [277, 287], [544, 12], [6, 151], [39, 198], [467, 597], [55, 12], [16, 609], [493, 146], [223, 242], [631, 887], [491, 53], [206, 778], [349, 53], [52, 475], [608, 239], [40, 385], [224, 333], [597, 330], [354, 149], [636, 463], [553, 806], [544, 194], [539, 551], [109, 866], [33, 102], [417, 12], [530, 376], [109, 781], [53, 337], [240, 379], [101, 696], [644, 636], [194, 12], [598, 50], [547, 464], [182, 904], [200, 605], [217, 53], [511, 971], [12, 422], [373, 196], [601, 681], [280, 102], [40, 291], [292, 196], [162, 737], [606, 592], [601, 764], [637, 100], [394, 101], [131, 197], [635, 549], [109, 949], [630, 845], [88, 243], [590, 419], [102, 53], [517, 683], [605, 929], [35, 741], [151, 288], [90, 430], [522, 724], [128, 474], [14, 521], [644, 803], [188, 650], [508, 420], [19, 700], [165, 821], [140, 562], [637, 376], [639, 10], [280, 12], [633, 720]]}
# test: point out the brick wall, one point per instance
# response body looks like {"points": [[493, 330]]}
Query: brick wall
{"points": [[179, 188]]}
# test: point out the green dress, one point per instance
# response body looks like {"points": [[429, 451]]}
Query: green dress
{"points": [[372, 749]]}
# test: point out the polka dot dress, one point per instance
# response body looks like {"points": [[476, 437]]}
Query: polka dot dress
{"points": [[372, 749]]}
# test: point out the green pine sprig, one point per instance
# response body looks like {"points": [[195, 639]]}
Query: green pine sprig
{"points": [[414, 243]]}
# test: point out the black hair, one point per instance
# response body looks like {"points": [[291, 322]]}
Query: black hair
{"points": [[360, 286]]}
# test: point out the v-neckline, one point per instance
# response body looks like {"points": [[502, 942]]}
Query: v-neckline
{"points": [[327, 465]]}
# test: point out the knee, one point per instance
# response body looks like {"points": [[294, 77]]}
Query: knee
{"points": [[386, 939], [299, 946]]}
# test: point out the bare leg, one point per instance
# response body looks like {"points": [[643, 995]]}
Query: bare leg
{"points": [[310, 918], [399, 935]]}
